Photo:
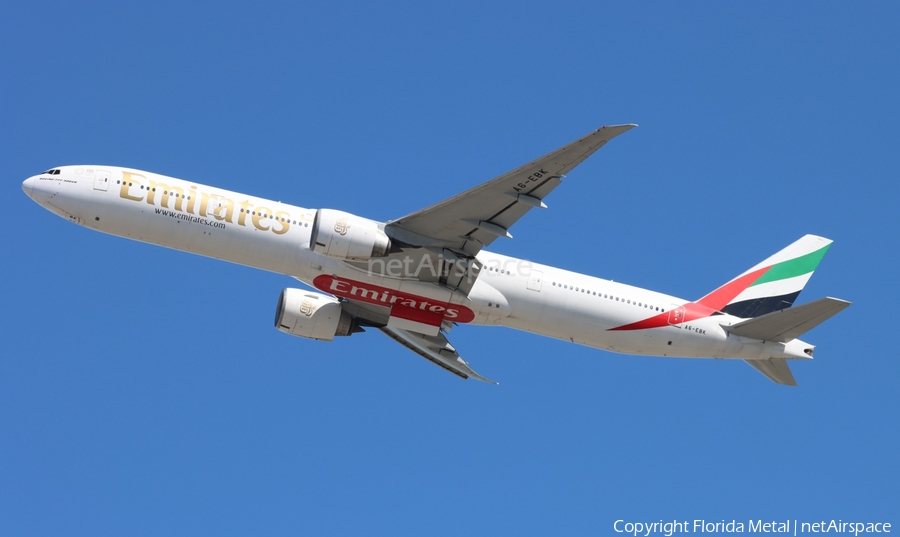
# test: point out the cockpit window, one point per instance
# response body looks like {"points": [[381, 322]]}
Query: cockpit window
{"points": [[51, 172]]}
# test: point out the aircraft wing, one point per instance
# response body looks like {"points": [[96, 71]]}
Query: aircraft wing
{"points": [[467, 222], [435, 349]]}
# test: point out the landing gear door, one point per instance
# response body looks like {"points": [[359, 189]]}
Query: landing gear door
{"points": [[676, 315], [101, 180], [535, 278]]}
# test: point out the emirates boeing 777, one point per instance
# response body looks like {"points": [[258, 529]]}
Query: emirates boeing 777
{"points": [[416, 277]]}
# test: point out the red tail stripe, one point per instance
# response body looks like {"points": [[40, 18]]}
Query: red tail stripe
{"points": [[722, 296], [704, 307], [692, 311]]}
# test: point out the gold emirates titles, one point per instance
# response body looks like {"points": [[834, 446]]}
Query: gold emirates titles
{"points": [[223, 209]]}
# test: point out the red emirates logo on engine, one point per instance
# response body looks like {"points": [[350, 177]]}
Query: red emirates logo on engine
{"points": [[383, 296]]}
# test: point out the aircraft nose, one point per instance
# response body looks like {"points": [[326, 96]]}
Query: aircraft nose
{"points": [[28, 186]]}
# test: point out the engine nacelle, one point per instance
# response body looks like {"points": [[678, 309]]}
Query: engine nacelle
{"points": [[346, 236], [312, 315]]}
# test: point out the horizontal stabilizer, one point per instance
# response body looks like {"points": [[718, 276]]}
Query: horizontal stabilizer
{"points": [[436, 349], [776, 369], [787, 324]]}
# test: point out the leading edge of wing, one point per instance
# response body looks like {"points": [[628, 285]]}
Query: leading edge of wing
{"points": [[500, 202]]}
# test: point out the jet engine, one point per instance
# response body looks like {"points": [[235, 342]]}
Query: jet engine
{"points": [[345, 236], [313, 315]]}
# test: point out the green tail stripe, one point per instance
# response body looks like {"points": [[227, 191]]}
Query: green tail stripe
{"points": [[793, 267]]}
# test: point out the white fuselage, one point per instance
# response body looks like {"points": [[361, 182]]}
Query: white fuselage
{"points": [[275, 236]]}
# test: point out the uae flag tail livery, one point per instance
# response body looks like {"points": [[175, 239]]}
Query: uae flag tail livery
{"points": [[773, 284]]}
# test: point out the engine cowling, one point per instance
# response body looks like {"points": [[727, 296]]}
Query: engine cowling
{"points": [[312, 315], [345, 236]]}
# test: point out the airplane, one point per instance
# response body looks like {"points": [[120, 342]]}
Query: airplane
{"points": [[417, 277]]}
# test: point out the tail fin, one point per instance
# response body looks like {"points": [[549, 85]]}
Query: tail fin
{"points": [[773, 284]]}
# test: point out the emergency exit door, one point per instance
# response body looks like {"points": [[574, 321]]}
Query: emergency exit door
{"points": [[534, 280], [101, 180]]}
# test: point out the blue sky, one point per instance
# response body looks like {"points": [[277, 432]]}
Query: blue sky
{"points": [[144, 391]]}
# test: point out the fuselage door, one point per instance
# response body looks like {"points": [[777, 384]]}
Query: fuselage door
{"points": [[101, 180], [534, 280], [676, 315]]}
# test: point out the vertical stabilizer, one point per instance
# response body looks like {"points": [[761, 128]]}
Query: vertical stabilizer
{"points": [[773, 284]]}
